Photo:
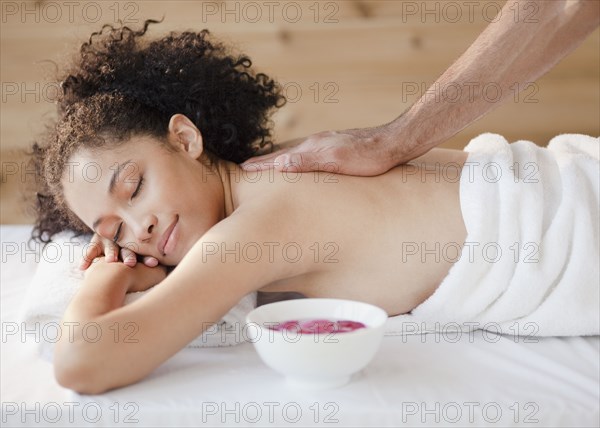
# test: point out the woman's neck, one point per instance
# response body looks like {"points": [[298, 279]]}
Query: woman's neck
{"points": [[226, 170]]}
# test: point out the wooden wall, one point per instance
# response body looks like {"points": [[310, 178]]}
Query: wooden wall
{"points": [[345, 64]]}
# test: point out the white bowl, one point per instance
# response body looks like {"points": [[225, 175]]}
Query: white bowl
{"points": [[316, 361]]}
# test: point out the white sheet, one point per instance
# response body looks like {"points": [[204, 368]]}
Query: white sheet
{"points": [[481, 379]]}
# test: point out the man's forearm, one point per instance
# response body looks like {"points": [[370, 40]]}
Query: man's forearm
{"points": [[508, 54]]}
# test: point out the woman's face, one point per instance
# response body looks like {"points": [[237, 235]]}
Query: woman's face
{"points": [[155, 202]]}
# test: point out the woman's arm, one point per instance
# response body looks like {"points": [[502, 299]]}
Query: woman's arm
{"points": [[138, 337]]}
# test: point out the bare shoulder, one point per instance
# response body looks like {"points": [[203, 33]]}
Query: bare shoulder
{"points": [[272, 195], [248, 244]]}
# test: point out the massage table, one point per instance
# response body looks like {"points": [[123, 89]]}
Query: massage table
{"points": [[479, 378]]}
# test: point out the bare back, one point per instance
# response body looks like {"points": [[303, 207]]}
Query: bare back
{"points": [[387, 240]]}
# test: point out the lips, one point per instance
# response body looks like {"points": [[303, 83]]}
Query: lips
{"points": [[163, 240]]}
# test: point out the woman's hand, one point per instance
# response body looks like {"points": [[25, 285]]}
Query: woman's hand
{"points": [[145, 277], [363, 152], [101, 246], [102, 294], [136, 278]]}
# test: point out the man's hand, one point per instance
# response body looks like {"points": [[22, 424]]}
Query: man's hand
{"points": [[101, 246], [362, 152]]}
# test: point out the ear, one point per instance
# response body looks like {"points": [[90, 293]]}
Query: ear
{"points": [[184, 135]]}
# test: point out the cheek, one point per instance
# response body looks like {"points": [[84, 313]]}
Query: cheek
{"points": [[78, 201], [184, 189]]}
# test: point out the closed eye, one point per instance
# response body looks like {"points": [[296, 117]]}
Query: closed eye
{"points": [[133, 195], [116, 238], [138, 188]]}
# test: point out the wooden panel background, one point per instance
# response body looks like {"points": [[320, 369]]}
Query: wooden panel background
{"points": [[345, 64]]}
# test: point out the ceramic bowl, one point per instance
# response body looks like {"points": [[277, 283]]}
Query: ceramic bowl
{"points": [[316, 360]]}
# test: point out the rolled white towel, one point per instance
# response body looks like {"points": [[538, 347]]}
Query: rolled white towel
{"points": [[537, 209], [56, 280]]}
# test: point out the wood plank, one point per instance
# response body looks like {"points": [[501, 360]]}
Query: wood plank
{"points": [[571, 103], [251, 13], [361, 46]]}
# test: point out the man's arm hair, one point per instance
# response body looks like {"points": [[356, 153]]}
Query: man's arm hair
{"points": [[528, 39]]}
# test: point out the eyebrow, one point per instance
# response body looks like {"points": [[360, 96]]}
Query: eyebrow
{"points": [[111, 187]]}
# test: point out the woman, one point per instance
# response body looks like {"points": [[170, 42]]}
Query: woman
{"points": [[146, 153]]}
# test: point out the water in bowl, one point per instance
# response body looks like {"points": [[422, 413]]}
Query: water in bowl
{"points": [[318, 326]]}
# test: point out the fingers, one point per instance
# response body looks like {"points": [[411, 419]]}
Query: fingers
{"points": [[111, 251], [291, 161], [304, 162], [285, 160], [92, 251], [100, 246], [150, 261], [279, 149], [301, 155], [258, 163], [128, 256]]}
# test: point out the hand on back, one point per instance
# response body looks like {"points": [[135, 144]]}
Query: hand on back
{"points": [[362, 152]]}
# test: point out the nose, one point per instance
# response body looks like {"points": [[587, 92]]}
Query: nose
{"points": [[144, 229]]}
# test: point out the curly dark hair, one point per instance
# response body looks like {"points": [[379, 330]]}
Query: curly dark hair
{"points": [[121, 85]]}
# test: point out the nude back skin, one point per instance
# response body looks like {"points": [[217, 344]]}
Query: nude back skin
{"points": [[388, 240]]}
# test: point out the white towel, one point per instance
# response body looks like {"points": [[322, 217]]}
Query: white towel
{"points": [[57, 278], [539, 207]]}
